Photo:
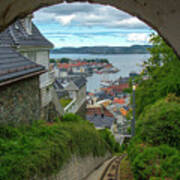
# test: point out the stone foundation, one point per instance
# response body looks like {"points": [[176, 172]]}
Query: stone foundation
{"points": [[82, 111], [49, 113], [20, 102]]}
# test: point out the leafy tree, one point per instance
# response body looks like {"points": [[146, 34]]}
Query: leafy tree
{"points": [[64, 60], [52, 60], [162, 74]]}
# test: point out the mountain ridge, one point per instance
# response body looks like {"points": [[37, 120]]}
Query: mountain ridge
{"points": [[135, 49]]}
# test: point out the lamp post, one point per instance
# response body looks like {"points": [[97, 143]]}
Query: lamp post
{"points": [[133, 107]]}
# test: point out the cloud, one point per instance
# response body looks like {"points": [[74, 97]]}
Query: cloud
{"points": [[68, 9], [131, 22], [83, 24], [138, 37], [84, 14], [66, 19]]}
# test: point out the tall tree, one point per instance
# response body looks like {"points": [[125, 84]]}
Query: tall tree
{"points": [[160, 75]]}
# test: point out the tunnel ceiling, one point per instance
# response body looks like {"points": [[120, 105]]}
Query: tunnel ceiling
{"points": [[161, 15]]}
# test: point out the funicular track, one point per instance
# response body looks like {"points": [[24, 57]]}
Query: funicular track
{"points": [[111, 171]]}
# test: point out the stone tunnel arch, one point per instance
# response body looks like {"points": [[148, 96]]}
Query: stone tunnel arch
{"points": [[162, 15]]}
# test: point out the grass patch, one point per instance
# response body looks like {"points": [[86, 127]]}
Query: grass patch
{"points": [[41, 150], [65, 101], [125, 170]]}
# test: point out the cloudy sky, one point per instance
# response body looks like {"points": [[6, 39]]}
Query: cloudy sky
{"points": [[82, 24]]}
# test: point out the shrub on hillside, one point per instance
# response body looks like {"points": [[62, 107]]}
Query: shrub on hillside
{"points": [[109, 138], [41, 149], [162, 74], [154, 162], [160, 123], [70, 117]]}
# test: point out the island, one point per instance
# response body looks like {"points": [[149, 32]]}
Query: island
{"points": [[135, 49]]}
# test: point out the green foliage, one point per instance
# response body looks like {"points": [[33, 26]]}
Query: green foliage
{"points": [[154, 162], [65, 101], [52, 60], [110, 140], [160, 123], [65, 60], [162, 71], [101, 60], [41, 150], [127, 90], [154, 152], [70, 117]]}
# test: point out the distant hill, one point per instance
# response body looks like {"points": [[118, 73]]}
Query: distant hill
{"points": [[135, 49]]}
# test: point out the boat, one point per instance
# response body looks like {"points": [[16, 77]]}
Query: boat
{"points": [[99, 72], [104, 84]]}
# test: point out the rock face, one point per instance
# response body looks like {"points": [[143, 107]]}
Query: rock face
{"points": [[162, 15]]}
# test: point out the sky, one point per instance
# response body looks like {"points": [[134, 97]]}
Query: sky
{"points": [[83, 24]]}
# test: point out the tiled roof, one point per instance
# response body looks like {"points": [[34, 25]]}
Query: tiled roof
{"points": [[80, 81], [58, 85], [119, 101], [71, 65], [16, 35], [116, 88], [13, 65], [94, 115], [100, 121], [98, 111]]}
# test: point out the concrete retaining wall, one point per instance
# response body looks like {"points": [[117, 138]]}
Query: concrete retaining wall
{"points": [[79, 168]]}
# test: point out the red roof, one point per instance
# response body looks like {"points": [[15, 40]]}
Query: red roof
{"points": [[119, 101], [64, 65], [108, 66], [117, 88], [97, 110], [91, 94], [70, 65]]}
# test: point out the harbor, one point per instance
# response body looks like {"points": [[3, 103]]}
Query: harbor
{"points": [[125, 63]]}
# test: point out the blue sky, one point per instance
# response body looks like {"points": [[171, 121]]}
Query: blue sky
{"points": [[83, 24]]}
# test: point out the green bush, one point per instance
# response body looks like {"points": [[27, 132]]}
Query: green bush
{"points": [[154, 162], [110, 140], [70, 117], [65, 101], [163, 72], [41, 150], [160, 123], [154, 152]]}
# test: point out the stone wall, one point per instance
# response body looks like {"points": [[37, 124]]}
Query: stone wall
{"points": [[20, 102], [49, 113], [82, 111], [79, 168]]}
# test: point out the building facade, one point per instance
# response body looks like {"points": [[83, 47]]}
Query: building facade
{"points": [[24, 37], [19, 88]]}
